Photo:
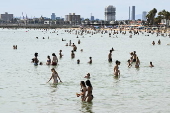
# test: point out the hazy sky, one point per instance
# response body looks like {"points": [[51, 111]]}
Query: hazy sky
{"points": [[82, 7]]}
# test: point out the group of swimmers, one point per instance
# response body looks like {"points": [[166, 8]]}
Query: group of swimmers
{"points": [[53, 62], [14, 46], [159, 42], [86, 87]]}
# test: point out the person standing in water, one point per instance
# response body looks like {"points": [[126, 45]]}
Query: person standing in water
{"points": [[72, 54], [83, 91], [151, 65], [153, 43], [54, 76], [60, 54], [116, 69], [89, 96], [35, 59], [159, 42], [48, 60], [137, 62], [110, 56], [90, 62], [54, 60]]}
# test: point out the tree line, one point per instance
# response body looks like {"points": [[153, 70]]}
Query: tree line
{"points": [[153, 20]]}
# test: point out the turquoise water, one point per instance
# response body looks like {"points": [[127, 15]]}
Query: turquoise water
{"points": [[23, 87]]}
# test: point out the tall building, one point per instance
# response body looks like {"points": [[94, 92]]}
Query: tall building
{"points": [[129, 12], [133, 13], [53, 17], [144, 13], [6, 16], [92, 18], [110, 13], [73, 19]]}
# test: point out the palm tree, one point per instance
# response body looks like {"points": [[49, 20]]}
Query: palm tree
{"points": [[151, 15], [165, 15]]}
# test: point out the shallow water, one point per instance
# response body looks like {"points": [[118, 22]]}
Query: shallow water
{"points": [[23, 87]]}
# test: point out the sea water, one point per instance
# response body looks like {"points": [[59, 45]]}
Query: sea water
{"points": [[23, 87]]}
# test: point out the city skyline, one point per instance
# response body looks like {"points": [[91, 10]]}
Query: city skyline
{"points": [[83, 8]]}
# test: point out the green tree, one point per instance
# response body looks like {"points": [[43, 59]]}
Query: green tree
{"points": [[151, 16]]}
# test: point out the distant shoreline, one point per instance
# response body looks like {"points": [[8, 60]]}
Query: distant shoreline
{"points": [[36, 26]]}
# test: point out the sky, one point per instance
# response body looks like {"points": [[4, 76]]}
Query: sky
{"points": [[36, 8]]}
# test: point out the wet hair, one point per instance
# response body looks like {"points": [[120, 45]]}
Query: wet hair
{"points": [[83, 83], [90, 57], [150, 62], [110, 51], [53, 54], [88, 83], [128, 61]]}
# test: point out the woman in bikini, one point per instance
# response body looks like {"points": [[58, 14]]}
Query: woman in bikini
{"points": [[48, 60], [83, 91], [54, 76], [89, 96], [54, 60]]}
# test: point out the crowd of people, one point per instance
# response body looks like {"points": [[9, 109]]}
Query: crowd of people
{"points": [[86, 87]]}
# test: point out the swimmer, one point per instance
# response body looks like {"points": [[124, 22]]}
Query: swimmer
{"points": [[116, 69], [74, 47], [89, 96], [87, 76], [112, 49], [72, 54], [83, 91], [35, 61], [151, 65], [129, 63], [90, 62], [78, 61], [137, 62], [13, 46], [159, 42], [48, 60], [63, 39], [81, 50], [40, 63], [60, 54], [66, 44], [78, 41], [54, 60], [110, 56], [54, 76], [134, 56], [153, 43]]}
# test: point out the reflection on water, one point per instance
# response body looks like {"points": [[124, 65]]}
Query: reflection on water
{"points": [[87, 107]]}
